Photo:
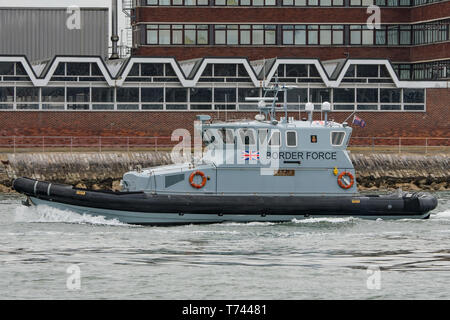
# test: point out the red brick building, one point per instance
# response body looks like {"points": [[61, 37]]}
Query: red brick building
{"points": [[396, 76]]}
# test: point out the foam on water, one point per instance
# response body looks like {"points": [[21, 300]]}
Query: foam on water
{"points": [[442, 215], [46, 214], [246, 224], [327, 220]]}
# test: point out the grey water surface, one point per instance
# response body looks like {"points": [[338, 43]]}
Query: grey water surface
{"points": [[326, 258]]}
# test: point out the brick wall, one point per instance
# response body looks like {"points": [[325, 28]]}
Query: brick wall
{"points": [[290, 14], [432, 123], [330, 15]]}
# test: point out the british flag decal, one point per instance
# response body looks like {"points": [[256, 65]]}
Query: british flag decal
{"points": [[250, 155]]}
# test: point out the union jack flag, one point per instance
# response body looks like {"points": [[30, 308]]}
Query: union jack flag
{"points": [[250, 155], [358, 121]]}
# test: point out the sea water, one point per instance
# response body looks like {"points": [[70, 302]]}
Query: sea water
{"points": [[51, 254]]}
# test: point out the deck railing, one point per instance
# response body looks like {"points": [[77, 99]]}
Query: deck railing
{"points": [[162, 143]]}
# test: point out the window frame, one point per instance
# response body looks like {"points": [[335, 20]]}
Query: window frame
{"points": [[175, 28], [343, 138], [287, 140], [272, 133]]}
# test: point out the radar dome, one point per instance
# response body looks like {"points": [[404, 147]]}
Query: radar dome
{"points": [[309, 107], [326, 106]]}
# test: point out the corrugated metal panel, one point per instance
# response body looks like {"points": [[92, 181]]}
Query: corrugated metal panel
{"points": [[42, 33]]}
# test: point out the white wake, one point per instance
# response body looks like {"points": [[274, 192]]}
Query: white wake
{"points": [[46, 214], [442, 215], [324, 219]]}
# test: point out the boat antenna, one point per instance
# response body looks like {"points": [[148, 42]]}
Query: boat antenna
{"points": [[321, 102], [226, 107], [285, 104], [218, 110], [264, 72], [349, 116]]}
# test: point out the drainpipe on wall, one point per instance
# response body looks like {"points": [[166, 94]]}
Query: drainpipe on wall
{"points": [[115, 36]]}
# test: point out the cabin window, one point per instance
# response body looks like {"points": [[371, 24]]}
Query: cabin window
{"points": [[247, 136], [229, 136], [291, 138], [337, 138], [209, 136], [275, 139], [313, 139], [223, 134], [173, 179], [262, 136]]}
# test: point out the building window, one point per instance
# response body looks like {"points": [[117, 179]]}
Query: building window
{"points": [[152, 69], [225, 95], [152, 72], [78, 69], [312, 34], [103, 95], [225, 70], [294, 34], [344, 95], [7, 94], [244, 2], [313, 3], [405, 35], [245, 34], [256, 3], [177, 34], [361, 3], [367, 95], [53, 94], [413, 95], [78, 95], [432, 32], [247, 92], [299, 95], [6, 68], [436, 31], [177, 2], [152, 95], [390, 95], [392, 35], [13, 71], [127, 94], [361, 35], [248, 34], [228, 34], [296, 70], [319, 95], [200, 95], [176, 95], [366, 71]]}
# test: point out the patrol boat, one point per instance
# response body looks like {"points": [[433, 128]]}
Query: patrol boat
{"points": [[266, 169]]}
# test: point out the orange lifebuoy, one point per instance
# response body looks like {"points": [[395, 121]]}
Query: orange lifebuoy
{"points": [[195, 185], [346, 186]]}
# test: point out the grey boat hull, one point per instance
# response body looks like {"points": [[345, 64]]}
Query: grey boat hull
{"points": [[153, 209], [154, 218]]}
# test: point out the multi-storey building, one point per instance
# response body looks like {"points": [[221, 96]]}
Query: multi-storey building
{"points": [[206, 56]]}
